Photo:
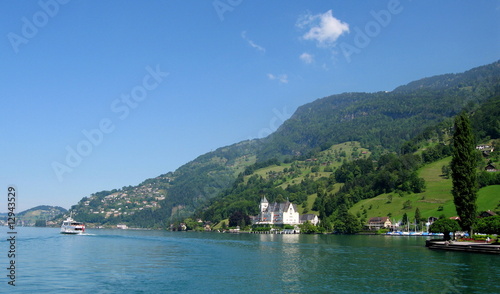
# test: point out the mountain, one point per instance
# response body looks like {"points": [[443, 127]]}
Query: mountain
{"points": [[347, 182], [39, 213], [380, 121], [171, 196]]}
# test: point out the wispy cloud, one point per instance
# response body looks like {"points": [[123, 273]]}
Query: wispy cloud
{"points": [[252, 43], [324, 28], [307, 58], [283, 78]]}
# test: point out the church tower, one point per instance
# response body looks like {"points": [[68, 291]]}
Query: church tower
{"points": [[263, 204]]}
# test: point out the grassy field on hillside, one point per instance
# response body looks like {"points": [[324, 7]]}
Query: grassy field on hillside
{"points": [[488, 198], [312, 198], [332, 157], [310, 203], [435, 201], [242, 163]]}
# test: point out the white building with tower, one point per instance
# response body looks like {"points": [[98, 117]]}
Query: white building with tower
{"points": [[284, 213]]}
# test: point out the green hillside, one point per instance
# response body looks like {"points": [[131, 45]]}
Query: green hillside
{"points": [[305, 162], [381, 120], [435, 201], [349, 179], [317, 175], [158, 201], [297, 181], [39, 213], [489, 198]]}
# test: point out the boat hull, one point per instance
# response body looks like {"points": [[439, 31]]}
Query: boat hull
{"points": [[71, 232]]}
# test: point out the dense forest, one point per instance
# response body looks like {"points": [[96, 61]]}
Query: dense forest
{"points": [[382, 120]]}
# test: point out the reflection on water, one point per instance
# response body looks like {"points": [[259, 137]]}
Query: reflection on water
{"points": [[114, 261]]}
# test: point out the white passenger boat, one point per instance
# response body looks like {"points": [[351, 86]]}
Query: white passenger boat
{"points": [[70, 226]]}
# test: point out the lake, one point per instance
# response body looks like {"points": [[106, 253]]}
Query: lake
{"points": [[132, 261]]}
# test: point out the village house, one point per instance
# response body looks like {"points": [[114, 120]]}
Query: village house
{"points": [[490, 168], [487, 213], [432, 219], [376, 223], [484, 147], [312, 218]]}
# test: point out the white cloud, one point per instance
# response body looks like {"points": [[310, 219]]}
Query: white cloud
{"points": [[252, 43], [281, 78], [324, 28], [306, 58]]}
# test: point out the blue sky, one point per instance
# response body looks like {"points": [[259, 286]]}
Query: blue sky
{"points": [[100, 95]]}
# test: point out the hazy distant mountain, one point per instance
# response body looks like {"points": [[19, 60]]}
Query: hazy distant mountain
{"points": [[39, 213]]}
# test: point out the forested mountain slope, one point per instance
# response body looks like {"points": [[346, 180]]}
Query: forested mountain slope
{"points": [[382, 120], [379, 121], [345, 182]]}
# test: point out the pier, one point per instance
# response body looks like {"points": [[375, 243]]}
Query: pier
{"points": [[277, 232], [463, 246]]}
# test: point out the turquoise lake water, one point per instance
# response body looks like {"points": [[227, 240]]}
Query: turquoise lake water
{"points": [[130, 261]]}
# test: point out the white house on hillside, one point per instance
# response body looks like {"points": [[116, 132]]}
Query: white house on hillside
{"points": [[312, 218]]}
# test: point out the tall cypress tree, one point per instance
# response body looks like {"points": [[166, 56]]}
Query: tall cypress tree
{"points": [[418, 217], [463, 172]]}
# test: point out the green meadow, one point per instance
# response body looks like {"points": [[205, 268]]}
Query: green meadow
{"points": [[437, 199]]}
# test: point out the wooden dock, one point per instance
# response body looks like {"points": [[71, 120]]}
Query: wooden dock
{"points": [[463, 246]]}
